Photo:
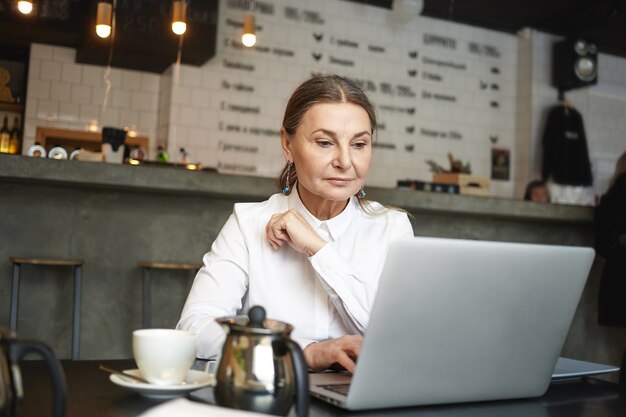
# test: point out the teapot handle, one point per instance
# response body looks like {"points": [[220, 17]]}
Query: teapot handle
{"points": [[302, 378], [19, 348]]}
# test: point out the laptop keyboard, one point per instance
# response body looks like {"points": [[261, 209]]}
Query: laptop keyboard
{"points": [[341, 389]]}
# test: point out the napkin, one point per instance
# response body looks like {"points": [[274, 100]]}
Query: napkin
{"points": [[184, 407]]}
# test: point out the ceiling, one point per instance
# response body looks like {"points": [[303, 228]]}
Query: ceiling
{"points": [[601, 21]]}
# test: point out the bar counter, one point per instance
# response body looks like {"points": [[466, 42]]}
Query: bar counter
{"points": [[114, 216], [175, 180]]}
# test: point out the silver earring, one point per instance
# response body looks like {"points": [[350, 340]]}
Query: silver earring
{"points": [[361, 193], [286, 189]]}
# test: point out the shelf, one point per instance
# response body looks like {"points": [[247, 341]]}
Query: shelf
{"points": [[70, 139], [14, 107]]}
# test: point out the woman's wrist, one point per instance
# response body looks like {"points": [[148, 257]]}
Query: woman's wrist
{"points": [[315, 247]]}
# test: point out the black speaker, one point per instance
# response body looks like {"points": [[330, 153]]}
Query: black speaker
{"points": [[574, 64]]}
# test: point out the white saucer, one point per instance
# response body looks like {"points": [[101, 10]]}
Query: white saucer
{"points": [[194, 380]]}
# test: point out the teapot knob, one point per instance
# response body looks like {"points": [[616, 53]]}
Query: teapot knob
{"points": [[257, 316]]}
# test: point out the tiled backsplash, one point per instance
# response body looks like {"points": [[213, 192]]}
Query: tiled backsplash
{"points": [[227, 113], [64, 94]]}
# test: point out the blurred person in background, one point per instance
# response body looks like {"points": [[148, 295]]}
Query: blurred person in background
{"points": [[537, 191], [610, 243]]}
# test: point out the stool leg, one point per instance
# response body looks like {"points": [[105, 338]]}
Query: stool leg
{"points": [[78, 270], [15, 296], [147, 298]]}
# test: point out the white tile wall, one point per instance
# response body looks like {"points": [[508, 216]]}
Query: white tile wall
{"points": [[62, 93]]}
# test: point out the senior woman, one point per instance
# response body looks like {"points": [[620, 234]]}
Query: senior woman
{"points": [[311, 255]]}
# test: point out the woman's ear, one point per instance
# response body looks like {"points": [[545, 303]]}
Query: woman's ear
{"points": [[285, 144]]}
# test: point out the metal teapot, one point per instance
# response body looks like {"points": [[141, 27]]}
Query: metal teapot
{"points": [[261, 369], [11, 353]]}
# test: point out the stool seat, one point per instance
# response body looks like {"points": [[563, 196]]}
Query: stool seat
{"points": [[169, 265], [77, 265], [46, 261], [147, 280]]}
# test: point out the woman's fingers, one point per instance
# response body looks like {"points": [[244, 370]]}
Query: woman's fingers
{"points": [[274, 232], [343, 350], [291, 227], [344, 360]]}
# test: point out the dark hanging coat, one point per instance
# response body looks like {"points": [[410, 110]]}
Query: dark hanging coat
{"points": [[610, 242], [565, 154]]}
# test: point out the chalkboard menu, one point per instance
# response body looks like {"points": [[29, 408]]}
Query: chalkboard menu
{"points": [[57, 22], [143, 41]]}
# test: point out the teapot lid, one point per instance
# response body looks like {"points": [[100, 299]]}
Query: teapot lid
{"points": [[255, 323], [7, 334]]}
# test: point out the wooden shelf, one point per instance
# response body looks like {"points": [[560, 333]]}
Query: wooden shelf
{"points": [[71, 139], [14, 107]]}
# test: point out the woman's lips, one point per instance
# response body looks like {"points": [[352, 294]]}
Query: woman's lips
{"points": [[339, 181]]}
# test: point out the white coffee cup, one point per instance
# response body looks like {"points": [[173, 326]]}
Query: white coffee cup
{"points": [[164, 356]]}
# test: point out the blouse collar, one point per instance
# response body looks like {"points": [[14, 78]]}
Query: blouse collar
{"points": [[335, 226]]}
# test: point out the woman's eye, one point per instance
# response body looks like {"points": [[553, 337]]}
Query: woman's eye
{"points": [[359, 145], [324, 143]]}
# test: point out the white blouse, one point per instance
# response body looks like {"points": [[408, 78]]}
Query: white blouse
{"points": [[324, 296]]}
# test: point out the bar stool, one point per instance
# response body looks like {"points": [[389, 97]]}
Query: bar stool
{"points": [[15, 292], [147, 283]]}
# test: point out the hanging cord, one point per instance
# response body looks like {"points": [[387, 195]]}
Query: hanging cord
{"points": [[179, 55], [176, 80], [107, 71]]}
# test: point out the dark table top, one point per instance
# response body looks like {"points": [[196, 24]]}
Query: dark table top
{"points": [[90, 393]]}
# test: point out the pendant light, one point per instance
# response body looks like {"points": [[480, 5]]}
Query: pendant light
{"points": [[103, 19], [248, 38], [25, 6], [179, 17]]}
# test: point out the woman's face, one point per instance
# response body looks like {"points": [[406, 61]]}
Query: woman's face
{"points": [[539, 195], [331, 150]]}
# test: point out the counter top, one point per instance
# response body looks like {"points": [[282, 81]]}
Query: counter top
{"points": [[176, 180]]}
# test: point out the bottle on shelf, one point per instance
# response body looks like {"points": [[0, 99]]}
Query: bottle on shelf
{"points": [[14, 141], [5, 136]]}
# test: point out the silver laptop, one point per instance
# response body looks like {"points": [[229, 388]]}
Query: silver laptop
{"points": [[459, 320]]}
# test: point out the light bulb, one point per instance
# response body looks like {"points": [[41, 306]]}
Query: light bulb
{"points": [[104, 31], [403, 11], [179, 27], [248, 39], [24, 6]]}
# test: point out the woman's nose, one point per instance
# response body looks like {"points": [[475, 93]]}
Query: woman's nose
{"points": [[342, 159]]}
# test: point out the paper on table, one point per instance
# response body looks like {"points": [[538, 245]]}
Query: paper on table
{"points": [[184, 407]]}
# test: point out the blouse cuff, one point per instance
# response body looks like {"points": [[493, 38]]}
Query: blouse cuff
{"points": [[303, 342]]}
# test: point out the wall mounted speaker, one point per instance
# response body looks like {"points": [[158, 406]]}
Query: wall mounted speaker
{"points": [[574, 64]]}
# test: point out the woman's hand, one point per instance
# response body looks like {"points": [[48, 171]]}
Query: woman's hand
{"points": [[343, 351], [292, 228]]}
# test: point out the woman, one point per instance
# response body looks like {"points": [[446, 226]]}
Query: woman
{"points": [[610, 242], [311, 255]]}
